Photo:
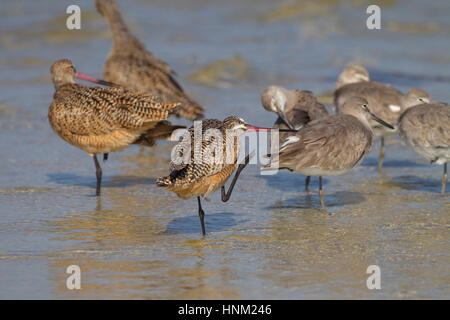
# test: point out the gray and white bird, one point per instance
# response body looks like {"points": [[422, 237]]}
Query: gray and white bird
{"points": [[330, 146], [426, 128], [385, 102], [294, 108]]}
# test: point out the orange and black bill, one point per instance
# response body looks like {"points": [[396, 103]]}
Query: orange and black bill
{"points": [[82, 76], [382, 122]]}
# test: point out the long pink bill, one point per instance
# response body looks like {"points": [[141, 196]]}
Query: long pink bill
{"points": [[257, 129], [82, 76]]}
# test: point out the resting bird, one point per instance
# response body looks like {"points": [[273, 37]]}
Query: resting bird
{"points": [[294, 108], [204, 160], [103, 120], [130, 65], [330, 146], [385, 102]]}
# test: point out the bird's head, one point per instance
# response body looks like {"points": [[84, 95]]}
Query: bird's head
{"points": [[274, 99], [415, 97], [106, 7], [352, 74], [63, 72], [359, 108]]}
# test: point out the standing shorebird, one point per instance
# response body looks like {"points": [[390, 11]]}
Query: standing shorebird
{"points": [[330, 146], [210, 157], [130, 65], [426, 128], [385, 102], [295, 108], [103, 120]]}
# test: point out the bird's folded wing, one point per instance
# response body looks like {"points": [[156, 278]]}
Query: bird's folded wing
{"points": [[315, 140], [438, 121], [203, 155], [96, 110]]}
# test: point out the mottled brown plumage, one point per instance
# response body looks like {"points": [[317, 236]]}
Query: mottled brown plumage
{"points": [[101, 120], [209, 158], [130, 65], [385, 102], [197, 167], [426, 128], [329, 146]]}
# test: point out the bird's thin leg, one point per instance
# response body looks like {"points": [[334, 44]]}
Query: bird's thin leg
{"points": [[98, 172], [322, 195], [308, 178], [201, 214], [381, 157], [105, 156], [444, 179], [226, 195]]}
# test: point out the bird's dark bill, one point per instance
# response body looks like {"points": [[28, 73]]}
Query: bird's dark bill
{"points": [[382, 122], [257, 129]]}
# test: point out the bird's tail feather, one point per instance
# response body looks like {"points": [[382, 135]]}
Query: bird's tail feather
{"points": [[162, 131], [164, 182], [190, 110]]}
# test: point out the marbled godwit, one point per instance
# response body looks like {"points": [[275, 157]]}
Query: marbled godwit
{"points": [[426, 128], [200, 178], [103, 120], [330, 146], [130, 65], [295, 108], [385, 102]]}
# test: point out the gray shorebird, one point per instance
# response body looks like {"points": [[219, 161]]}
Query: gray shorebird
{"points": [[130, 65], [294, 108], [330, 146], [385, 102], [103, 120], [426, 128], [208, 162]]}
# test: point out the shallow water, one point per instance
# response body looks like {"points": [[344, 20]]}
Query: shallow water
{"points": [[271, 240]]}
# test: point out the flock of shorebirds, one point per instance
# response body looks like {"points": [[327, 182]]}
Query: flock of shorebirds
{"points": [[140, 92]]}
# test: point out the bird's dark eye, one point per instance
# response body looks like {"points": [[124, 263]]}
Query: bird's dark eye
{"points": [[420, 99], [365, 106]]}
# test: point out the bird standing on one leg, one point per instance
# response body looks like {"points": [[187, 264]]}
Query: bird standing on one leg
{"points": [[102, 120], [205, 160]]}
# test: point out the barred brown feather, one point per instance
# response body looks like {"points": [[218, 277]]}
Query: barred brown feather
{"points": [[101, 120], [202, 178], [129, 64]]}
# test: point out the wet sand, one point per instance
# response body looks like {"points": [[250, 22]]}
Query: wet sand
{"points": [[271, 240]]}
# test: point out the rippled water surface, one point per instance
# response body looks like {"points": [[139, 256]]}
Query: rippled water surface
{"points": [[271, 240]]}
